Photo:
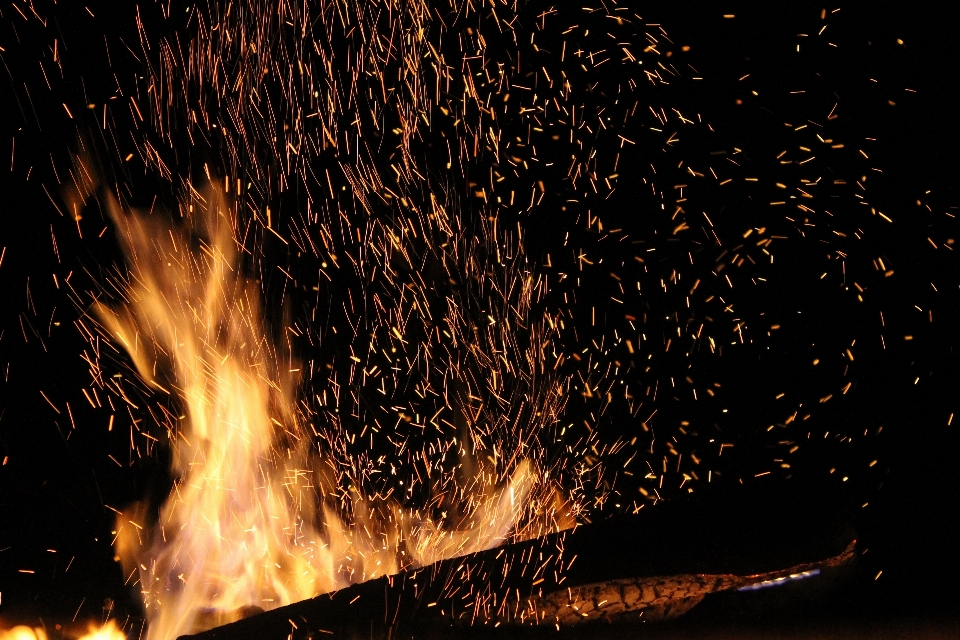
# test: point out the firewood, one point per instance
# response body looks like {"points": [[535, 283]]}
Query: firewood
{"points": [[645, 567]]}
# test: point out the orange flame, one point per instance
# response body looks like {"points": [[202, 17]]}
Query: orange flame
{"points": [[23, 632], [109, 631], [247, 525]]}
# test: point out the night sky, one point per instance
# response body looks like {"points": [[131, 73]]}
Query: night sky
{"points": [[819, 365]]}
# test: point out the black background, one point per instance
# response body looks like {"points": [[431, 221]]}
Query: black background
{"points": [[58, 485]]}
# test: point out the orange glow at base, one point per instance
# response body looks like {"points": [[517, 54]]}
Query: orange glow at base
{"points": [[109, 631], [22, 632]]}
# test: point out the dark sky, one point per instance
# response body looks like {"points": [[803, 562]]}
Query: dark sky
{"points": [[889, 80]]}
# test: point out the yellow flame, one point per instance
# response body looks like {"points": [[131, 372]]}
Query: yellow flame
{"points": [[248, 524], [109, 631], [22, 632]]}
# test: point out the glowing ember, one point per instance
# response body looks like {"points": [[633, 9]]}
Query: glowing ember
{"points": [[23, 633], [108, 631]]}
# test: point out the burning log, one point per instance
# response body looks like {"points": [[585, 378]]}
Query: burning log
{"points": [[658, 598], [646, 567]]}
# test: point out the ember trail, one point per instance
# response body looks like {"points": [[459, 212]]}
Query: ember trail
{"points": [[408, 281]]}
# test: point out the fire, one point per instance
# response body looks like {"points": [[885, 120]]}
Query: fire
{"points": [[108, 631], [23, 632], [249, 523]]}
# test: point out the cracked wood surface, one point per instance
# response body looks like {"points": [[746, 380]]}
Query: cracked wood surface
{"points": [[655, 598]]}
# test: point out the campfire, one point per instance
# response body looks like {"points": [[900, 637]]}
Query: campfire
{"points": [[341, 318], [249, 524]]}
